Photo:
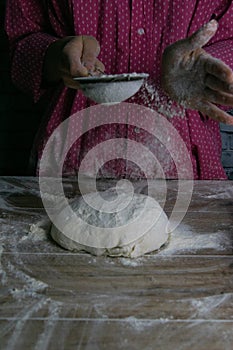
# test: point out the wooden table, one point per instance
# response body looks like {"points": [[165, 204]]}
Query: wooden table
{"points": [[178, 298]]}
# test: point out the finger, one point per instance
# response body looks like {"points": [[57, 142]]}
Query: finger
{"points": [[218, 97], [90, 52], [69, 82], [99, 67], [202, 35], [215, 113], [72, 57], [195, 41], [219, 85], [219, 69]]}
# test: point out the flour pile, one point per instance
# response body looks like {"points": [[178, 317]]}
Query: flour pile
{"points": [[116, 224]]}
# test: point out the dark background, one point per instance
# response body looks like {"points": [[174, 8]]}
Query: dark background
{"points": [[20, 118], [227, 148]]}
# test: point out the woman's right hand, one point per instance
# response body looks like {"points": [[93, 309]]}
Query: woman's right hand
{"points": [[72, 57]]}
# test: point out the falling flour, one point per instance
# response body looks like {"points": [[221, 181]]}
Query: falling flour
{"points": [[154, 98]]}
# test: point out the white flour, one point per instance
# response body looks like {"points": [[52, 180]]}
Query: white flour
{"points": [[205, 307], [137, 324], [38, 231], [113, 92], [132, 263], [153, 98], [184, 240]]}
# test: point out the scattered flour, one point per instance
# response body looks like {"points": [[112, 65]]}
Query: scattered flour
{"points": [[31, 285], [206, 305], [38, 231], [183, 239], [155, 99], [131, 263], [137, 324]]}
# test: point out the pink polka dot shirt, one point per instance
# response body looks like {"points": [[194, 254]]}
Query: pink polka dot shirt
{"points": [[132, 36]]}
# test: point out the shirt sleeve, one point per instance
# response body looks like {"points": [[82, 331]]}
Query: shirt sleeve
{"points": [[29, 33]]}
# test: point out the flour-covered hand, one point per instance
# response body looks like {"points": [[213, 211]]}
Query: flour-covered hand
{"points": [[71, 57], [195, 79]]}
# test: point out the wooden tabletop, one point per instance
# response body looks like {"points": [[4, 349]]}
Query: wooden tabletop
{"points": [[178, 298]]}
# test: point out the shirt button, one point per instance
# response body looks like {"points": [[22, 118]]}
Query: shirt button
{"points": [[136, 130], [141, 31]]}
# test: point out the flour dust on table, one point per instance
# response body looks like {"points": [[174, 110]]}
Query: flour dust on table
{"points": [[112, 223]]}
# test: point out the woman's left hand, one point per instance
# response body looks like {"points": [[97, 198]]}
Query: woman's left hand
{"points": [[195, 79]]}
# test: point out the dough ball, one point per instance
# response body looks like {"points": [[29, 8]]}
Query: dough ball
{"points": [[116, 224]]}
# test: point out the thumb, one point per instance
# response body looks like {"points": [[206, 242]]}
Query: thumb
{"points": [[91, 50], [72, 57], [202, 35]]}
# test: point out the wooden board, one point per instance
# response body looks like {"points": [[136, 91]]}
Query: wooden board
{"points": [[178, 298]]}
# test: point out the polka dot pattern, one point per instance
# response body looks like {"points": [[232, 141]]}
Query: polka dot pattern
{"points": [[132, 35]]}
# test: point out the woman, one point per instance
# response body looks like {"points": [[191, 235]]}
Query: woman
{"points": [[53, 41]]}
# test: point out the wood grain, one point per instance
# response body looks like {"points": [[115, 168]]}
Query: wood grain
{"points": [[178, 298]]}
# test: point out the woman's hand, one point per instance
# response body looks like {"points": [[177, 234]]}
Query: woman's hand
{"points": [[72, 57], [195, 79]]}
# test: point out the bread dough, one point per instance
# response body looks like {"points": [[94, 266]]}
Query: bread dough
{"points": [[130, 226]]}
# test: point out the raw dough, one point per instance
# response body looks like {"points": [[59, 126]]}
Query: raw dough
{"points": [[140, 227]]}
